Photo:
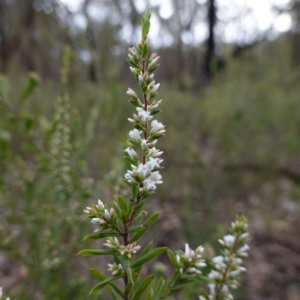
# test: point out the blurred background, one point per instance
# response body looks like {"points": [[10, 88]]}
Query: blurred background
{"points": [[229, 74]]}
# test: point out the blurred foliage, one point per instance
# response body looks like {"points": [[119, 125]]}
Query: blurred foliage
{"points": [[233, 148]]}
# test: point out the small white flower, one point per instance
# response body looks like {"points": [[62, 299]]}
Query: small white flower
{"points": [[244, 235], [131, 93], [112, 212], [95, 221], [155, 88], [153, 152], [135, 134], [212, 288], [157, 126], [244, 249], [219, 262], [144, 144], [229, 239], [153, 62], [187, 251], [100, 204], [155, 176], [107, 215], [132, 154], [152, 163], [192, 270], [144, 115], [141, 79], [1, 292]]}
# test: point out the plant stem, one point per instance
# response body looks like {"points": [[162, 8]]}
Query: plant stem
{"points": [[226, 270], [128, 222]]}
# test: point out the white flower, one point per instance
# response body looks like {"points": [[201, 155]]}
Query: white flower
{"points": [[1, 292], [95, 221], [100, 204], [212, 288], [135, 134], [142, 171], [244, 235], [144, 115], [155, 88], [155, 176], [229, 239], [132, 154], [107, 214], [187, 250], [152, 163], [149, 185], [219, 262], [131, 93], [144, 144], [153, 62], [157, 127], [244, 249], [155, 152], [214, 274]]}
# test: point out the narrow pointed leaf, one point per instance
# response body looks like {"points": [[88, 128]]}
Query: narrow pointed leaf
{"points": [[146, 225], [144, 252], [100, 285], [142, 260], [98, 236], [159, 288], [95, 273], [145, 283], [88, 252], [172, 258]]}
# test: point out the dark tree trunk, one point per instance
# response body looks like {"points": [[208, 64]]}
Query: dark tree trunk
{"points": [[210, 44], [296, 36], [92, 69]]}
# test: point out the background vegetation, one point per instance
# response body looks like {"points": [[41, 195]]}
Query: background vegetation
{"points": [[232, 143]]}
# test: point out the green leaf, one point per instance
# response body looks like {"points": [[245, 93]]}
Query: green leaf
{"points": [[172, 258], [186, 279], [127, 182], [139, 206], [150, 295], [135, 228], [128, 288], [145, 51], [174, 278], [30, 85], [147, 14], [204, 293], [98, 236], [134, 191], [99, 286], [147, 194], [145, 29], [129, 273], [159, 288], [144, 252], [122, 203], [120, 225], [142, 260], [145, 283], [146, 225], [95, 273], [137, 218], [88, 252]]}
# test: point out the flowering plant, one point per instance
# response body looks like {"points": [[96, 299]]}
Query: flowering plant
{"points": [[122, 223]]}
